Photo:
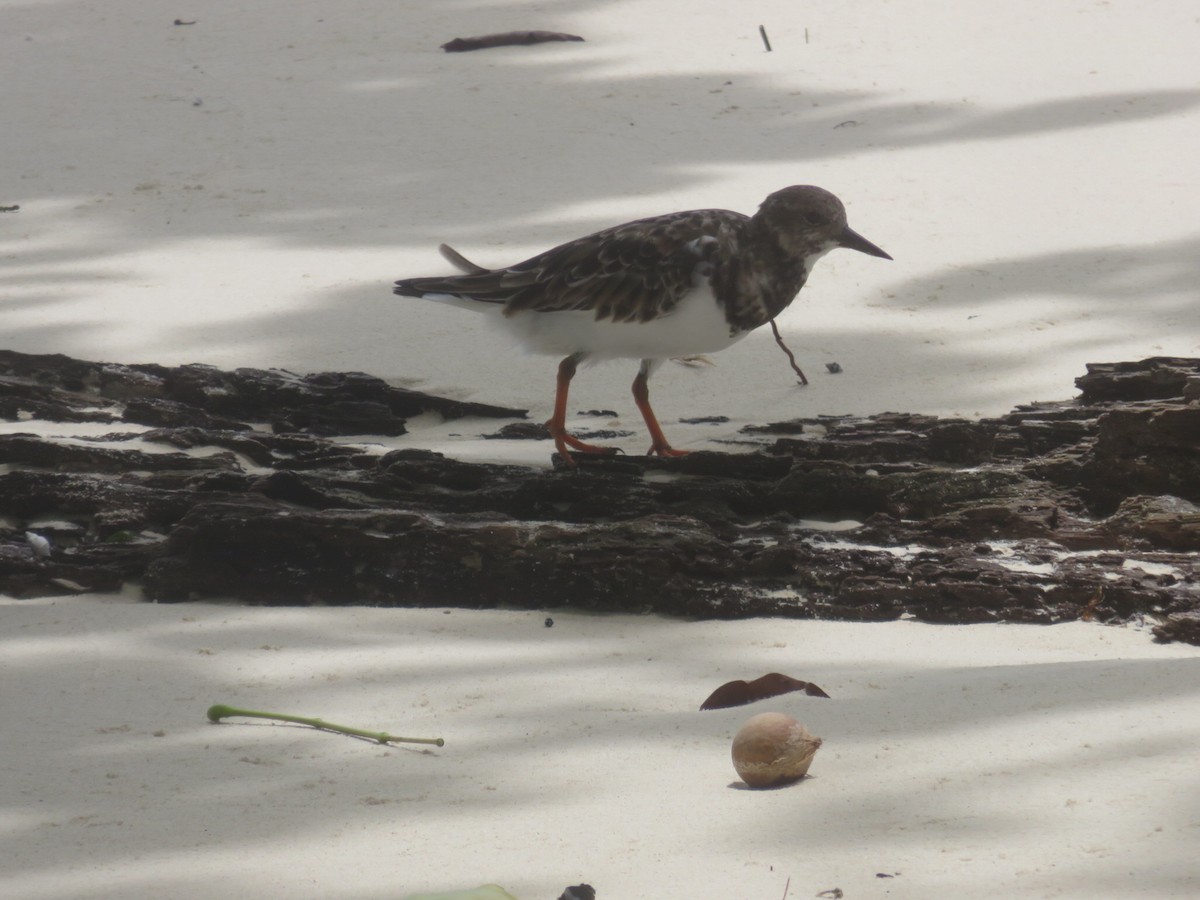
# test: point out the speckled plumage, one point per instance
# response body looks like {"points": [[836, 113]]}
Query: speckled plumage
{"points": [[671, 285]]}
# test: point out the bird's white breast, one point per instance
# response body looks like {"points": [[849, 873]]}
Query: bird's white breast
{"points": [[696, 325]]}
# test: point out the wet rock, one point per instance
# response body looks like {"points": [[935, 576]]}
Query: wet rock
{"points": [[520, 431], [1156, 378], [1053, 512], [1183, 627], [1158, 521], [325, 403], [159, 413], [1150, 450], [790, 427], [33, 452]]}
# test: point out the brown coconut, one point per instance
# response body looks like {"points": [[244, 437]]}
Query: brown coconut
{"points": [[772, 749]]}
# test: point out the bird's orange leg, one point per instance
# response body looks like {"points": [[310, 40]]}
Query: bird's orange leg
{"points": [[557, 425], [641, 396]]}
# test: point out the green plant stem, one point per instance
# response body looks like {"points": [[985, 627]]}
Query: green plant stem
{"points": [[220, 711]]}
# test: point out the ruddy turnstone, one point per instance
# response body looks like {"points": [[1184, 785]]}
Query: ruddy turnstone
{"points": [[680, 284]]}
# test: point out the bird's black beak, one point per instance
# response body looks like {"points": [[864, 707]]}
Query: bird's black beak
{"points": [[852, 240]]}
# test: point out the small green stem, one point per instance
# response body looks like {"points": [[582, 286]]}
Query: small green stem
{"points": [[220, 711]]}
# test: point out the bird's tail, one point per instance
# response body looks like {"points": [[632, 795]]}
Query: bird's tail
{"points": [[459, 261], [478, 288]]}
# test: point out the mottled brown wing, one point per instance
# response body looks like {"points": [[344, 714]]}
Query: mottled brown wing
{"points": [[630, 273]]}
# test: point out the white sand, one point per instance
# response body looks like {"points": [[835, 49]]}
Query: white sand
{"points": [[965, 761], [243, 190]]}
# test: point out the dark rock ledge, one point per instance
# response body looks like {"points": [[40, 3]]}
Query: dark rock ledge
{"points": [[1053, 512]]}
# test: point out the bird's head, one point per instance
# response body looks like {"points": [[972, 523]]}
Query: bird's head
{"points": [[809, 221]]}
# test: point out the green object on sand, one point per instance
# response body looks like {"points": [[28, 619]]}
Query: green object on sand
{"points": [[483, 892], [220, 711]]}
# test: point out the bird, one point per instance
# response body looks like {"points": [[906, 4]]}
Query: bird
{"points": [[674, 285]]}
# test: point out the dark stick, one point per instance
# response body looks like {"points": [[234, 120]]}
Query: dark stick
{"points": [[766, 42], [784, 348], [507, 39]]}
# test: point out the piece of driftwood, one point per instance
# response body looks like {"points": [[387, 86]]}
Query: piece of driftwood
{"points": [[506, 39], [1084, 509]]}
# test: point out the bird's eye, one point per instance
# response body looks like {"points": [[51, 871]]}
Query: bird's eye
{"points": [[814, 218]]}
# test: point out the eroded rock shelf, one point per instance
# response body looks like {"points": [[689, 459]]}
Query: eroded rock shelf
{"points": [[1053, 512]]}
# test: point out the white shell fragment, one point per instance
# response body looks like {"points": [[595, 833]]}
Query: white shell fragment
{"points": [[41, 546]]}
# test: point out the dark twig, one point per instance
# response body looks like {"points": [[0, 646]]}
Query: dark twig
{"points": [[766, 41], [791, 358], [507, 39]]}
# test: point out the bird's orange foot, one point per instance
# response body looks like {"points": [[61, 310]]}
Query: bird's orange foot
{"points": [[563, 441]]}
